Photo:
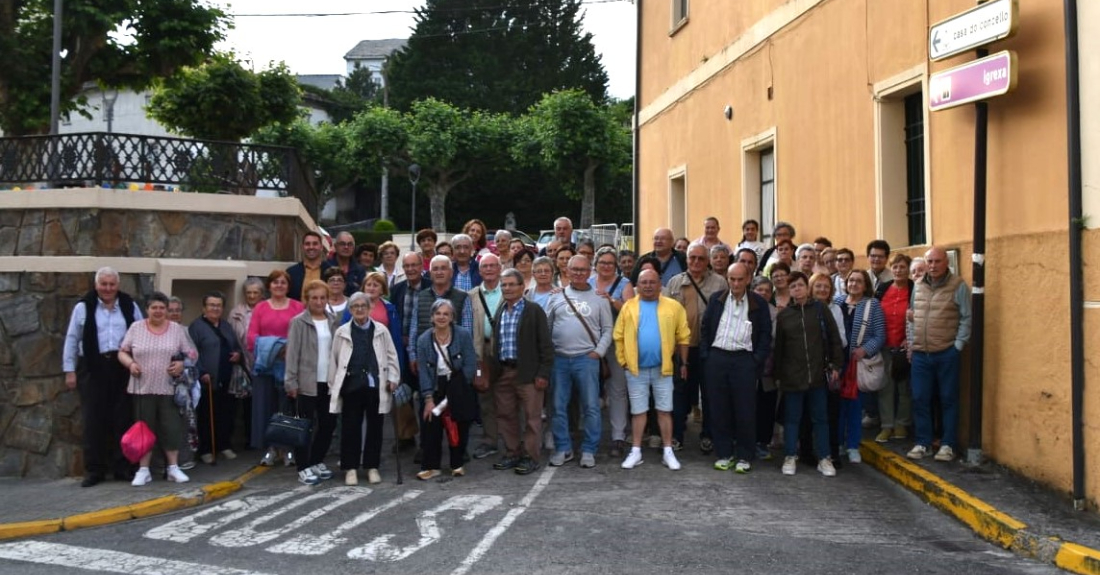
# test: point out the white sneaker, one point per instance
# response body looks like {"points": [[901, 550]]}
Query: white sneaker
{"points": [[918, 452], [790, 463], [142, 477], [174, 474], [825, 466], [208, 458], [669, 460], [945, 453], [288, 458], [742, 466], [306, 477], [229, 454], [351, 477], [268, 458], [854, 456], [373, 477], [321, 471], [634, 459]]}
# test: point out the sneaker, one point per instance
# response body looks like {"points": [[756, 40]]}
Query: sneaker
{"points": [[560, 458], [706, 445], [945, 453], [306, 477], [677, 445], [790, 463], [269, 458], [506, 462], [854, 456], [527, 466], [484, 450], [207, 458], [428, 474], [176, 476], [900, 432], [588, 460], [142, 477], [918, 452], [373, 477], [351, 477], [742, 467], [458, 472], [825, 466], [723, 464], [884, 435], [617, 448], [654, 441], [634, 459], [229, 454], [762, 452], [187, 464], [288, 459], [669, 460], [870, 422], [321, 471]]}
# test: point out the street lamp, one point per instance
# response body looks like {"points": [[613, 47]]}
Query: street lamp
{"points": [[110, 96], [414, 177]]}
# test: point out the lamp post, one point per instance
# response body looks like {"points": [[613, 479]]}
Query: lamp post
{"points": [[55, 69], [110, 96], [414, 177]]}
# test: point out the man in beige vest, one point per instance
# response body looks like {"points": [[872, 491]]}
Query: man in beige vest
{"points": [[939, 330], [485, 299]]}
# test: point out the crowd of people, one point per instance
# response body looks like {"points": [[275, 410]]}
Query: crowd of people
{"points": [[771, 347]]}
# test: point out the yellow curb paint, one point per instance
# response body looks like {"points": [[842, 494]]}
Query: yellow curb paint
{"points": [[984, 519], [1078, 559], [157, 506], [252, 474], [29, 528], [219, 490], [97, 518]]}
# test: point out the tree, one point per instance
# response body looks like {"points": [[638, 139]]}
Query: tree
{"points": [[118, 43], [495, 55], [323, 148], [573, 137], [220, 100], [449, 144]]}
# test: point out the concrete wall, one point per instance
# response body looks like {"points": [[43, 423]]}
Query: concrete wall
{"points": [[812, 78]]}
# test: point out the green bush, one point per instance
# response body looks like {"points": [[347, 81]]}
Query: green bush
{"points": [[385, 226]]}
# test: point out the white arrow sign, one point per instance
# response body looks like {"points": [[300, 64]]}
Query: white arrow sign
{"points": [[985, 23]]}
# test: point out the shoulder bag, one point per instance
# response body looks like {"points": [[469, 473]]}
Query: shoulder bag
{"points": [[481, 376], [870, 371], [288, 430], [605, 369]]}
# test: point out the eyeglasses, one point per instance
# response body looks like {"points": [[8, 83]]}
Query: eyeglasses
{"points": [[845, 259], [579, 270], [697, 258], [336, 280], [358, 306], [346, 244], [611, 263]]}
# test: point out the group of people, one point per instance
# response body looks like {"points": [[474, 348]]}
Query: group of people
{"points": [[532, 345]]}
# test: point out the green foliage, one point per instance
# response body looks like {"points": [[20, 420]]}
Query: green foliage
{"points": [[221, 100], [324, 148], [351, 96], [385, 226], [118, 43], [495, 55]]}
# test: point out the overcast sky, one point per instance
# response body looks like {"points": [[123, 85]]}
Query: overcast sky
{"points": [[317, 44]]}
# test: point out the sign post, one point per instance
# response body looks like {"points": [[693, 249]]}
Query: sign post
{"points": [[985, 23], [978, 80]]}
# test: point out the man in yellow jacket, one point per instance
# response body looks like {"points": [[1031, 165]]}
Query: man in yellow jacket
{"points": [[649, 330]]}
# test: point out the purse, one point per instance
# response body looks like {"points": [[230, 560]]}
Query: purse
{"points": [[870, 371], [137, 441], [288, 430], [240, 385], [605, 368]]}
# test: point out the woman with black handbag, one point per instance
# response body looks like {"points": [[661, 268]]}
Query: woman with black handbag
{"points": [[448, 365], [363, 372]]}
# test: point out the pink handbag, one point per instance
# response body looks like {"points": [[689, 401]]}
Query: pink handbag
{"points": [[137, 441]]}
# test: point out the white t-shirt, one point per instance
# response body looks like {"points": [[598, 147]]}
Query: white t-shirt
{"points": [[324, 348], [441, 367]]}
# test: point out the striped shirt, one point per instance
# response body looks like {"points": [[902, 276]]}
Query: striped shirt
{"points": [[734, 328]]}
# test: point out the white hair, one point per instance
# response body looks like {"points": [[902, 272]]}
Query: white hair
{"points": [[105, 272]]}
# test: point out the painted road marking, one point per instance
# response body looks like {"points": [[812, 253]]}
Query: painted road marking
{"points": [[380, 548], [107, 561], [306, 544], [487, 542], [248, 536], [188, 528]]}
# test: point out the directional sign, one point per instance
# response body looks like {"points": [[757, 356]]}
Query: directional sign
{"points": [[978, 26], [984, 78]]}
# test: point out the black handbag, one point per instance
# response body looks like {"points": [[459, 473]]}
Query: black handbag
{"points": [[288, 430]]}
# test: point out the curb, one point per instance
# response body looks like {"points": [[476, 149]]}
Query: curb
{"points": [[148, 508], [985, 520]]}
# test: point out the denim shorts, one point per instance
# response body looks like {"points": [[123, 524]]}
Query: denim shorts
{"points": [[638, 387]]}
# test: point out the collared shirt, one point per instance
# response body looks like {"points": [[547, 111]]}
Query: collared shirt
{"points": [[734, 328], [311, 273], [110, 329], [493, 297], [409, 305], [463, 279], [509, 330]]}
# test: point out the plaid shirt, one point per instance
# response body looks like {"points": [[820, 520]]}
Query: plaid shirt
{"points": [[509, 330]]}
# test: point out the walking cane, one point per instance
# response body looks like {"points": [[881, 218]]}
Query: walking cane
{"points": [[213, 439], [396, 441]]}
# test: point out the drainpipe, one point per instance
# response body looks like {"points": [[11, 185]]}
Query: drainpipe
{"points": [[635, 210], [1076, 280]]}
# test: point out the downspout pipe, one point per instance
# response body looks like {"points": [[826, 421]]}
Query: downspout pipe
{"points": [[636, 196], [1076, 264]]}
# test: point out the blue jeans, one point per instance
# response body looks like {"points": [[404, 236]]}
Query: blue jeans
{"points": [[817, 397], [851, 422], [583, 373], [932, 372]]}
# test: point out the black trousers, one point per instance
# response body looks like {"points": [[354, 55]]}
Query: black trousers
{"points": [[106, 409], [354, 451], [766, 404], [316, 408], [225, 412], [731, 389], [431, 441]]}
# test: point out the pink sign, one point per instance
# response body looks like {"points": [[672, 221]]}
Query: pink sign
{"points": [[978, 80]]}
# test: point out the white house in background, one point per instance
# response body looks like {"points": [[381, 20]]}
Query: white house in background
{"points": [[371, 54]]}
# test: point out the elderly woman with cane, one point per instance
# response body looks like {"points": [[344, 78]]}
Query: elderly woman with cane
{"points": [[219, 350]]}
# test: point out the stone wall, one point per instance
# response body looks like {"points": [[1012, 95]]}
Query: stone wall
{"points": [[40, 422]]}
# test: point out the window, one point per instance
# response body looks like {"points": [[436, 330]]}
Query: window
{"points": [[767, 191], [677, 201], [758, 181], [901, 169], [679, 15]]}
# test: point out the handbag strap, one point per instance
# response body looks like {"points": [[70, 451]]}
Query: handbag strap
{"points": [[446, 356], [485, 306], [698, 290], [577, 314], [863, 324]]}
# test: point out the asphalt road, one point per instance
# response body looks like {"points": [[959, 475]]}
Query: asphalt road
{"points": [[558, 520]]}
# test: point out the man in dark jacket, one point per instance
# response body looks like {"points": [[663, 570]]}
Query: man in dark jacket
{"points": [[736, 341], [524, 353], [311, 267], [344, 258], [670, 262]]}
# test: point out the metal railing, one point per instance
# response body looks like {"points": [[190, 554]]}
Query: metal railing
{"points": [[121, 160]]}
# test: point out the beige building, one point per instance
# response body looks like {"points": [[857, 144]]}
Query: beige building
{"points": [[816, 112]]}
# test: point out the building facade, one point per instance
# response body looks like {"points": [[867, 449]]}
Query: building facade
{"points": [[816, 112]]}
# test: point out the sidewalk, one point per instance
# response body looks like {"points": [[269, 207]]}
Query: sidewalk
{"points": [[38, 506], [998, 505]]}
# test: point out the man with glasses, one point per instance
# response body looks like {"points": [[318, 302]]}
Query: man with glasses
{"points": [[581, 325], [404, 295], [878, 251], [484, 301], [441, 288], [845, 259], [344, 258], [671, 261], [311, 267], [465, 275]]}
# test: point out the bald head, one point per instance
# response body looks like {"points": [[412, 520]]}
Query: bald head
{"points": [[662, 242], [738, 275], [649, 285], [936, 258]]}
